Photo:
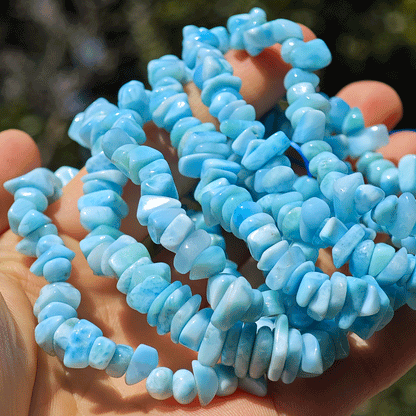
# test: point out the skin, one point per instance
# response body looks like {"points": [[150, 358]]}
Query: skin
{"points": [[32, 383]]}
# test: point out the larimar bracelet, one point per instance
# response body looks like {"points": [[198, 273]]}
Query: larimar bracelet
{"points": [[296, 323]]}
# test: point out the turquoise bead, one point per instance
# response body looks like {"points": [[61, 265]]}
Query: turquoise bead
{"points": [[366, 197], [132, 95], [310, 56], [292, 285], [280, 348], [376, 169], [353, 122], [159, 383], [371, 304], [101, 353], [326, 346], [160, 184], [206, 382], [139, 158], [45, 331], [394, 270], [80, 342], [120, 360], [297, 90], [385, 213], [57, 270], [157, 304], [153, 168], [315, 101], [124, 257], [230, 205], [182, 317], [193, 332], [211, 345], [61, 336], [114, 179], [365, 160], [313, 148], [211, 86], [113, 139], [172, 304], [184, 386], [143, 295], [279, 179], [143, 361], [255, 311], [244, 349], [144, 269], [18, 210], [381, 256], [233, 128], [257, 387], [234, 304]]}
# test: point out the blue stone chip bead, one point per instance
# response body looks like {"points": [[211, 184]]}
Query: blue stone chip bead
{"points": [[319, 304], [369, 139], [184, 386], [260, 240], [407, 173], [381, 256], [385, 213], [91, 217], [194, 330], [133, 96], [217, 286], [152, 203], [390, 181], [182, 316], [28, 244], [101, 353], [45, 331], [211, 345], [17, 211], [227, 380], [57, 270], [31, 221], [208, 263], [310, 127], [353, 122], [313, 212], [271, 255], [257, 387], [213, 85], [118, 244], [171, 305], [395, 269], [345, 246], [61, 336], [294, 356], [310, 56], [229, 350], [262, 352], [143, 269], [143, 295], [80, 342], [189, 250], [159, 383], [311, 361], [245, 349], [281, 272], [55, 251], [120, 360], [310, 284], [367, 197], [253, 223], [280, 348], [159, 220], [33, 195], [123, 258], [298, 75], [206, 381], [405, 217], [143, 361], [361, 258], [46, 242], [57, 292], [338, 112], [234, 304], [157, 304]]}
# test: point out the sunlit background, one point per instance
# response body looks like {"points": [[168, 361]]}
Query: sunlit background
{"points": [[56, 57]]}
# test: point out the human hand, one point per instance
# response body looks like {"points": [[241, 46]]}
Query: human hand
{"points": [[33, 383]]}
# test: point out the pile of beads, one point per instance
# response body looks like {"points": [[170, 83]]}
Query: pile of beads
{"points": [[296, 323]]}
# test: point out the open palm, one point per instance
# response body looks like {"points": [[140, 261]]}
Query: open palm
{"points": [[33, 383]]}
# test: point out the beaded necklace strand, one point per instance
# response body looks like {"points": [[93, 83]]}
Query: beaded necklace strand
{"points": [[296, 323]]}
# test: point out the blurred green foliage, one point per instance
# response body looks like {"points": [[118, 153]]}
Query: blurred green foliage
{"points": [[56, 57]]}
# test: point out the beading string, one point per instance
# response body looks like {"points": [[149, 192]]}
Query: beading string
{"points": [[296, 323]]}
